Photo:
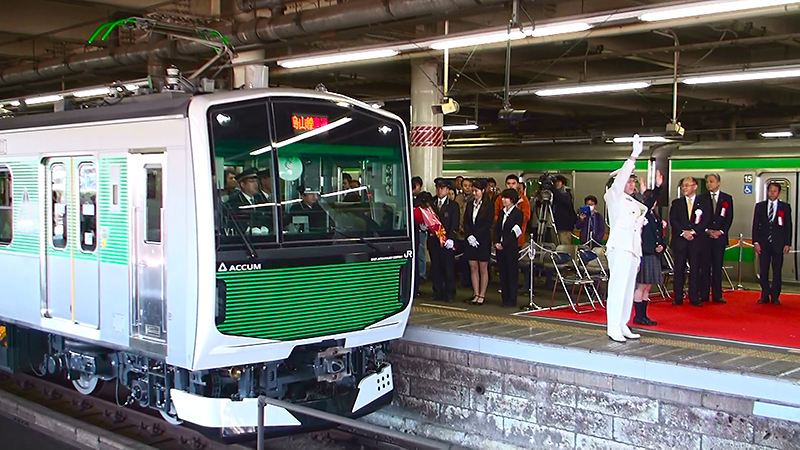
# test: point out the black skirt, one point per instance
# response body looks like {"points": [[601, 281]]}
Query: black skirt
{"points": [[650, 270], [482, 253]]}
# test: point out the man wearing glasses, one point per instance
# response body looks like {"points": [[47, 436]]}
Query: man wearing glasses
{"points": [[689, 216]]}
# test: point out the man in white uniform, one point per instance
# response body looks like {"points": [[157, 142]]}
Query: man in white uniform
{"points": [[626, 216]]}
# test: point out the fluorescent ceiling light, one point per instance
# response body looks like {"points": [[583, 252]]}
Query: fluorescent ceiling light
{"points": [[300, 137], [749, 75], [550, 30], [628, 140], [465, 127], [777, 134], [97, 92], [336, 58], [590, 89], [708, 8], [477, 39], [43, 99]]}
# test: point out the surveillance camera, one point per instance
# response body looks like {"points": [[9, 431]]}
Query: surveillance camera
{"points": [[512, 115], [448, 106]]}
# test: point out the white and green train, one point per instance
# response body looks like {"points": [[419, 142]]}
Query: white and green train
{"points": [[202, 250]]}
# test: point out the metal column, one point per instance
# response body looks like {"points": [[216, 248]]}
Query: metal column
{"points": [[426, 127]]}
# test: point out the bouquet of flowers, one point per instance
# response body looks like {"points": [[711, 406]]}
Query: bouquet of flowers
{"points": [[425, 216]]}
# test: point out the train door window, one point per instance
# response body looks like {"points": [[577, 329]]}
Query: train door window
{"points": [[87, 199], [783, 183], [58, 191], [154, 204], [6, 208]]}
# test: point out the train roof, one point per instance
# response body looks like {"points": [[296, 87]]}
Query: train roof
{"points": [[155, 105]]}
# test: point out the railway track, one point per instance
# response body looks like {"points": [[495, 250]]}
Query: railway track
{"points": [[123, 424]]}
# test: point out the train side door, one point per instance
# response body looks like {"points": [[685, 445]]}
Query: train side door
{"points": [[149, 303], [73, 273], [788, 183]]}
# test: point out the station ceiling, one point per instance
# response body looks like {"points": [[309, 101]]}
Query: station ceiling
{"points": [[35, 33]]}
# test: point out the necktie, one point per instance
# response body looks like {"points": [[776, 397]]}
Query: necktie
{"points": [[771, 211], [689, 205], [714, 200]]}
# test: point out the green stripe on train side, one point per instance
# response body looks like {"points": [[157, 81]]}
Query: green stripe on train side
{"points": [[539, 166], [736, 164], [27, 208], [114, 227]]}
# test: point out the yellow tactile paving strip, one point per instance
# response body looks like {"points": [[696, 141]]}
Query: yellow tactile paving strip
{"points": [[552, 326]]}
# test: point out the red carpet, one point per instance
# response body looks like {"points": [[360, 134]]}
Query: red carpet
{"points": [[741, 319]]}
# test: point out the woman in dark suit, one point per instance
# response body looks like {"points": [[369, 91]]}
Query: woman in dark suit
{"points": [[478, 218], [653, 245], [506, 232]]}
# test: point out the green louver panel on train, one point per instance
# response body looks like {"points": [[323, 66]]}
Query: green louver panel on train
{"points": [[302, 302], [113, 218], [27, 209]]}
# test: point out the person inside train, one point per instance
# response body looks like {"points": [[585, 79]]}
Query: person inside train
{"points": [[244, 200], [355, 196], [346, 179], [717, 232], [443, 254], [772, 238], [265, 185], [308, 215], [507, 232], [689, 217], [653, 245], [591, 223], [478, 228], [563, 209], [231, 184]]}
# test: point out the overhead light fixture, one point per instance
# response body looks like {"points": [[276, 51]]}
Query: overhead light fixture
{"points": [[551, 30], [591, 89], [777, 134], [97, 92], [709, 8], [304, 136], [463, 127], [43, 99], [749, 75], [478, 39], [337, 58], [629, 139]]}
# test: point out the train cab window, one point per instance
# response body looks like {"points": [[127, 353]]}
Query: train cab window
{"points": [[6, 208], [243, 173], [316, 143], [154, 204], [87, 199], [58, 193]]}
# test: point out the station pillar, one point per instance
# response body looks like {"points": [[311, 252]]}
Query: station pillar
{"points": [[426, 127], [250, 76]]}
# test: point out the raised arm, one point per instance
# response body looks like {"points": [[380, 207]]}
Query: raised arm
{"points": [[624, 173]]}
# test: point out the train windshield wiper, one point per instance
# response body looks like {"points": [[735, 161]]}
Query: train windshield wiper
{"points": [[251, 251], [358, 238]]}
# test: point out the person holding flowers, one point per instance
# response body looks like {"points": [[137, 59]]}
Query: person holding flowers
{"points": [[721, 218]]}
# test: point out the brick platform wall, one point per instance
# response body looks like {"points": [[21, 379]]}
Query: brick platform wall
{"points": [[484, 402]]}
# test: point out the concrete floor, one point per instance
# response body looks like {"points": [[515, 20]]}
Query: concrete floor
{"points": [[17, 436]]}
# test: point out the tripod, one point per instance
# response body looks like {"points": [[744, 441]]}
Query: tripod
{"points": [[546, 217]]}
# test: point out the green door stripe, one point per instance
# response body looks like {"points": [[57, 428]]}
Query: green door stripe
{"points": [[734, 164], [539, 166]]}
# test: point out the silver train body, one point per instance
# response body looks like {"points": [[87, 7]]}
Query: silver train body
{"points": [[119, 261], [746, 167]]}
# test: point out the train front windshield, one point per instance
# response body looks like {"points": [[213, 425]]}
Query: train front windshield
{"points": [[297, 169]]}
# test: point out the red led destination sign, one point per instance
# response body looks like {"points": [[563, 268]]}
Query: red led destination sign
{"points": [[308, 123]]}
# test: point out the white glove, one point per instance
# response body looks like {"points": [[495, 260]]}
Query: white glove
{"points": [[448, 244], [423, 227], [472, 241], [637, 146]]}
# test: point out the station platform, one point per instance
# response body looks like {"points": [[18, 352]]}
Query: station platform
{"points": [[487, 377]]}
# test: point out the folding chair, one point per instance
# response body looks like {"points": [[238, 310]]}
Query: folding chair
{"points": [[563, 262], [592, 267]]}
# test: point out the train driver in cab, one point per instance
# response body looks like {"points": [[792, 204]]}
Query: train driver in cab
{"points": [[243, 202]]}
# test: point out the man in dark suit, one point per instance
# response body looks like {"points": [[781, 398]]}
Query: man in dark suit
{"points": [[717, 232], [689, 216], [443, 256], [243, 202], [772, 235]]}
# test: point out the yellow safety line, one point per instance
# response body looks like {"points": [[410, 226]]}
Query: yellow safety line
{"points": [[533, 322]]}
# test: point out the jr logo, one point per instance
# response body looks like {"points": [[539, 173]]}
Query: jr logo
{"points": [[409, 253], [238, 267]]}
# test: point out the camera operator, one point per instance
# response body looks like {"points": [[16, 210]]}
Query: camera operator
{"points": [[563, 208]]}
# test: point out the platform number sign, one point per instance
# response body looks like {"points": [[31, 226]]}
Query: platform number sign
{"points": [[748, 184], [748, 179]]}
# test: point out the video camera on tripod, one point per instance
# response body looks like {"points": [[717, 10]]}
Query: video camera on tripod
{"points": [[546, 182]]}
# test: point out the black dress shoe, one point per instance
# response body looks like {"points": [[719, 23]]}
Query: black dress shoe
{"points": [[677, 302], [763, 301], [698, 304], [646, 321], [775, 301], [720, 300]]}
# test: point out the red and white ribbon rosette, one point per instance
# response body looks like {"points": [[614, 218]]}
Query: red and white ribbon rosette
{"points": [[698, 216], [725, 206], [780, 218]]}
